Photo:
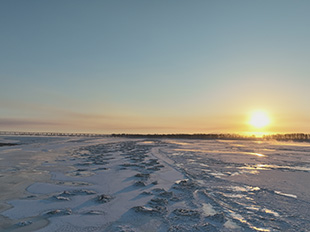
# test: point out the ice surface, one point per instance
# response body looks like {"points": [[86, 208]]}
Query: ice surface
{"points": [[118, 184]]}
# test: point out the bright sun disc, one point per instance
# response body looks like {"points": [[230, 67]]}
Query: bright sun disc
{"points": [[259, 119]]}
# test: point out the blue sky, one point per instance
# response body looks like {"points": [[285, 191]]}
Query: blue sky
{"points": [[153, 66]]}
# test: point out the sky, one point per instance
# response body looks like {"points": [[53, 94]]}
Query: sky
{"points": [[154, 66]]}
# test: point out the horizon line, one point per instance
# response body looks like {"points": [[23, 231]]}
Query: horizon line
{"points": [[243, 134]]}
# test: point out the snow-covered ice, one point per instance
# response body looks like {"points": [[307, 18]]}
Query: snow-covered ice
{"points": [[118, 184]]}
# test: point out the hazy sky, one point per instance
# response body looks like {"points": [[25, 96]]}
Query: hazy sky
{"points": [[154, 66]]}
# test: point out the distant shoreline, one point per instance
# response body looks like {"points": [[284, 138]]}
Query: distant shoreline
{"points": [[8, 144], [302, 137], [281, 137]]}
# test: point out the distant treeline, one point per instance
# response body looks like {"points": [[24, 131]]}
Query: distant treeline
{"points": [[295, 136], [187, 136], [292, 136], [52, 134]]}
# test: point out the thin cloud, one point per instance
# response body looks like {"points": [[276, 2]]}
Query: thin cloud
{"points": [[27, 122]]}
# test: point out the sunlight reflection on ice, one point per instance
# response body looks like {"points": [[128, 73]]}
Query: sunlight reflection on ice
{"points": [[244, 188], [178, 143], [147, 142], [271, 212], [285, 194], [242, 220], [270, 167], [265, 210], [218, 152], [257, 154]]}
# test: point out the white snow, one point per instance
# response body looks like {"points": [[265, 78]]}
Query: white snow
{"points": [[117, 184]]}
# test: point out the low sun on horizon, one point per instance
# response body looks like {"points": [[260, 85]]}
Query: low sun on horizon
{"points": [[259, 119]]}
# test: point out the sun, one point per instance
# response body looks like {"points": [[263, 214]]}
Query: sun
{"points": [[259, 119]]}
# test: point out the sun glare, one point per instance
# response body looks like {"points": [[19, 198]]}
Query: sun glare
{"points": [[259, 119]]}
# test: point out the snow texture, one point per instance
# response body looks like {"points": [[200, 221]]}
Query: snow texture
{"points": [[118, 184]]}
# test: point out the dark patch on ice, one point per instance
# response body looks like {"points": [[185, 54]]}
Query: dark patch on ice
{"points": [[140, 184], [144, 176], [23, 223], [77, 192], [81, 170], [146, 193], [155, 210], [206, 227], [158, 202], [84, 164], [8, 144], [155, 168], [185, 184], [104, 198], [72, 183], [155, 182], [166, 194], [219, 217], [101, 169], [59, 212], [95, 212], [186, 212], [158, 190], [131, 165], [151, 162]]}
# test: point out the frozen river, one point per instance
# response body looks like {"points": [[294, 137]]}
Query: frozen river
{"points": [[119, 184]]}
